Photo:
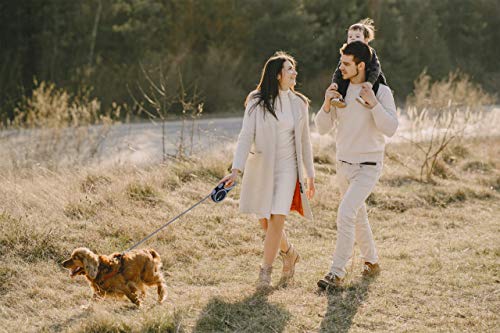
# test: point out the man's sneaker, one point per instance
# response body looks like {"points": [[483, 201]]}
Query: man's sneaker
{"points": [[330, 281], [370, 269], [338, 102]]}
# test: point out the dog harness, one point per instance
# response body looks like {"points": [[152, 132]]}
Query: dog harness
{"points": [[113, 272]]}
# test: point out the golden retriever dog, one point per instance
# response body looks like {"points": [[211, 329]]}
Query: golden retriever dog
{"points": [[119, 274]]}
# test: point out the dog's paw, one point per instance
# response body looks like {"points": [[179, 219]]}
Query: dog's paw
{"points": [[137, 302], [162, 293]]}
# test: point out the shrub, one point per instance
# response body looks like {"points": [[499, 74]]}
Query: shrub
{"points": [[6, 275], [92, 182], [143, 192], [80, 210], [478, 166], [29, 241], [55, 128], [454, 153]]}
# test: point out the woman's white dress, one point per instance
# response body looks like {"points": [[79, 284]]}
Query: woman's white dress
{"points": [[285, 171]]}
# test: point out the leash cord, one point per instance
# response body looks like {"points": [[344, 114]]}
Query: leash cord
{"points": [[166, 224]]}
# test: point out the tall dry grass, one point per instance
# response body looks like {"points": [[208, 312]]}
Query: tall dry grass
{"points": [[53, 128], [457, 90], [442, 112], [438, 245]]}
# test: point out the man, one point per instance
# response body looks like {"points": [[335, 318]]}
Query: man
{"points": [[360, 152]]}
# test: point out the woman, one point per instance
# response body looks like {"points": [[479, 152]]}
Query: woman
{"points": [[275, 137]]}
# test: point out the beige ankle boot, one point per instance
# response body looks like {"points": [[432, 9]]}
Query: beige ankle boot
{"points": [[264, 277], [290, 258]]}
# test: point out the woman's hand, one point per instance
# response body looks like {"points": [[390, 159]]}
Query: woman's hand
{"points": [[230, 179], [310, 188]]}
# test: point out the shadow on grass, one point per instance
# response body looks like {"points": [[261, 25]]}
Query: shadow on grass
{"points": [[252, 314], [343, 305]]}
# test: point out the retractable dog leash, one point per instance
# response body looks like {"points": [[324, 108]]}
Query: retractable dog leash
{"points": [[218, 194]]}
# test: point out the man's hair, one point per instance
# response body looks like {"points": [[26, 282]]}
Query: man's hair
{"points": [[367, 27], [359, 50]]}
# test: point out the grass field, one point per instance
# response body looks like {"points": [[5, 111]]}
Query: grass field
{"points": [[439, 245]]}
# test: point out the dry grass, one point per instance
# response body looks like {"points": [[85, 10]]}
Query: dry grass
{"points": [[457, 89], [442, 113], [53, 128], [439, 248]]}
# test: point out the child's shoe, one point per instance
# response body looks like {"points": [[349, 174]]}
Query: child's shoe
{"points": [[362, 101], [338, 102]]}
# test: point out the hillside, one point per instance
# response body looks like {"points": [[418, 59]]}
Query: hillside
{"points": [[438, 243]]}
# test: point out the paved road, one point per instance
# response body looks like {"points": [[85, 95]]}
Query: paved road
{"points": [[142, 142]]}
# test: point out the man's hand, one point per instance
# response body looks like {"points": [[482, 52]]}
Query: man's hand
{"points": [[335, 86], [330, 93], [369, 96]]}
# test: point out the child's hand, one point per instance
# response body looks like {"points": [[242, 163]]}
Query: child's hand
{"points": [[334, 86], [367, 84]]}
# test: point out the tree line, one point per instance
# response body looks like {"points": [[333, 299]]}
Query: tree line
{"points": [[218, 47]]}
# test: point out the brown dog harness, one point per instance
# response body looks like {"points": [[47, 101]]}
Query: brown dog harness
{"points": [[113, 272]]}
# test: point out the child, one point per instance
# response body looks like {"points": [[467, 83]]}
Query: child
{"points": [[363, 31]]}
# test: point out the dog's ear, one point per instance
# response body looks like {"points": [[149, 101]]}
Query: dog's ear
{"points": [[91, 264]]}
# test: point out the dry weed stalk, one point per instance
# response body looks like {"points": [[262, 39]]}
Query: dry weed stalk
{"points": [[158, 98], [442, 112], [161, 101], [192, 107]]}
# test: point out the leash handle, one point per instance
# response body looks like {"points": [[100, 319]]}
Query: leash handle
{"points": [[220, 192]]}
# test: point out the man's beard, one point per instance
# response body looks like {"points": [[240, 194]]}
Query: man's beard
{"points": [[350, 77]]}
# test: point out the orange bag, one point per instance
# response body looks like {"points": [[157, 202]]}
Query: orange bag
{"points": [[297, 201]]}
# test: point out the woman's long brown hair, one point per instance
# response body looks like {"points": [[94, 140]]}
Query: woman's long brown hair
{"points": [[268, 87]]}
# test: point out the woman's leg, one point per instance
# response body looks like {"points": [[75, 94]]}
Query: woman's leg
{"points": [[284, 245], [263, 224], [274, 235]]}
